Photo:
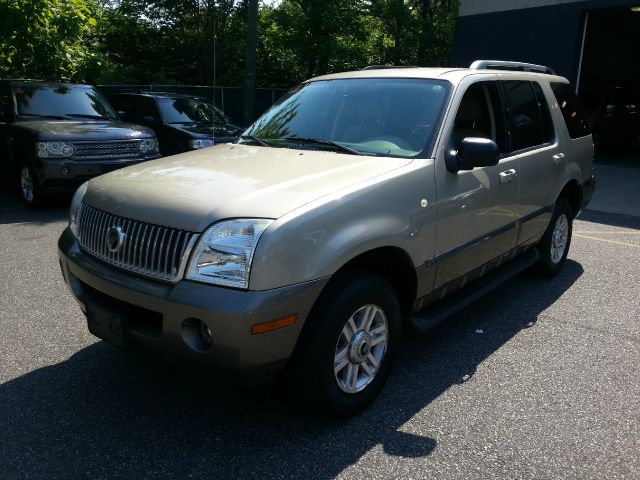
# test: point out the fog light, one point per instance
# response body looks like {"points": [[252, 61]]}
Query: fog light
{"points": [[205, 333], [196, 334], [65, 171]]}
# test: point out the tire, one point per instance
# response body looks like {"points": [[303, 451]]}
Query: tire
{"points": [[357, 299], [30, 189], [555, 243]]}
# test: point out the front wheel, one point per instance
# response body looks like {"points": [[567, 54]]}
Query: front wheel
{"points": [[554, 245], [344, 355], [29, 187]]}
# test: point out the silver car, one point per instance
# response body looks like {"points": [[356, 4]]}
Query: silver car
{"points": [[362, 203]]}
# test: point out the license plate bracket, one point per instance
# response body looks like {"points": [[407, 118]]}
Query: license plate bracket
{"points": [[108, 323]]}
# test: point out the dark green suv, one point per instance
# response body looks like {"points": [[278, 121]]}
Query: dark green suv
{"points": [[54, 136]]}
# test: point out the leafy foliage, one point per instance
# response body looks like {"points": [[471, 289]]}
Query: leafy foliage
{"points": [[44, 38], [202, 41]]}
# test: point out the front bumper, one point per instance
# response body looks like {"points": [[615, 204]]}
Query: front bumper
{"points": [[68, 174], [158, 311]]}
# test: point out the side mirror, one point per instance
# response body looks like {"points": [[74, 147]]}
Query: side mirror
{"points": [[123, 115], [473, 152]]}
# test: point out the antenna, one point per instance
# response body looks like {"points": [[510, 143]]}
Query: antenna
{"points": [[213, 111]]}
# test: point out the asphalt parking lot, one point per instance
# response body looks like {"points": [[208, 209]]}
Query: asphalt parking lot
{"points": [[538, 380]]}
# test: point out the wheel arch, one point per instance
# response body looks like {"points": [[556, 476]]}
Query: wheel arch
{"points": [[394, 265], [572, 192]]}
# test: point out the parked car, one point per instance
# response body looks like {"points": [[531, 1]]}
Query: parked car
{"points": [[616, 120], [360, 204], [54, 136], [181, 122]]}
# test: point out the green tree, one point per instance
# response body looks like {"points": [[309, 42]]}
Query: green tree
{"points": [[44, 38]]}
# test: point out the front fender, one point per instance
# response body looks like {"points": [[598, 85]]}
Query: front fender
{"points": [[316, 241]]}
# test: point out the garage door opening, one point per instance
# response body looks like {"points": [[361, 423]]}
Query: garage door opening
{"points": [[609, 82]]}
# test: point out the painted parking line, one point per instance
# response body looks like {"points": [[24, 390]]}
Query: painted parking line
{"points": [[606, 240], [605, 232]]}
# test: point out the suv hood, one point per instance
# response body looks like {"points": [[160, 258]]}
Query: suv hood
{"points": [[60, 130], [192, 190]]}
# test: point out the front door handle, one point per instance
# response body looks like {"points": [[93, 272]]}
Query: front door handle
{"points": [[507, 176], [558, 158]]}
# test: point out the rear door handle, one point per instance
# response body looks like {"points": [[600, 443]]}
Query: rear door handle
{"points": [[507, 176], [558, 158]]}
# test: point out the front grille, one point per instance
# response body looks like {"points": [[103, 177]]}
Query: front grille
{"points": [[108, 150], [149, 250]]}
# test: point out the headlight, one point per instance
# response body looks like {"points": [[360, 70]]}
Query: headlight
{"points": [[54, 150], [148, 145], [74, 211], [224, 253], [198, 143]]}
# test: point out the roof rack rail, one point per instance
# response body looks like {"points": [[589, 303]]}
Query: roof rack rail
{"points": [[384, 67], [504, 65]]}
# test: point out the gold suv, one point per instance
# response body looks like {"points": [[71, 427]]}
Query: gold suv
{"points": [[360, 204]]}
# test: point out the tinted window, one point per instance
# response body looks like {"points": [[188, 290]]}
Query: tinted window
{"points": [[572, 112], [67, 101], [524, 114], [385, 116], [147, 108], [480, 115], [186, 110], [4, 104], [547, 124]]}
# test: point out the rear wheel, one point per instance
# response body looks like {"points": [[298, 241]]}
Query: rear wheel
{"points": [[554, 245], [344, 355], [29, 187]]}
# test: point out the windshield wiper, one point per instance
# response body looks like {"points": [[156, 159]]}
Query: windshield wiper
{"points": [[259, 141], [41, 115], [329, 143], [86, 115]]}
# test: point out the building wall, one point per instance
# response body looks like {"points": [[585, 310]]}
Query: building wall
{"points": [[476, 7], [546, 32]]}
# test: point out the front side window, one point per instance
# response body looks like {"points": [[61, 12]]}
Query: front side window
{"points": [[480, 115], [373, 116], [62, 102]]}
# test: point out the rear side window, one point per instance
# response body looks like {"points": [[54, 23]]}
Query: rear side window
{"points": [[545, 115], [571, 109], [528, 127], [4, 104]]}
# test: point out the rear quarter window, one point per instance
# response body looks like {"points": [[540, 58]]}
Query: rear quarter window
{"points": [[572, 112]]}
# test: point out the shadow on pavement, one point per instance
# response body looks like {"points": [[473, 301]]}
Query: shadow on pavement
{"points": [[104, 413], [613, 219], [13, 210]]}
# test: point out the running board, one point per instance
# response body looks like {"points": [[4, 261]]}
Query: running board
{"points": [[443, 309]]}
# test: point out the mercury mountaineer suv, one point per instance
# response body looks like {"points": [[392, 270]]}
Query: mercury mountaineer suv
{"points": [[362, 203], [55, 136]]}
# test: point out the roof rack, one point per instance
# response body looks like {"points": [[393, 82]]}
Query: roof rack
{"points": [[517, 66], [384, 67]]}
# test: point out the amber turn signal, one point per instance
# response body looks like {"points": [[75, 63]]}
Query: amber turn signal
{"points": [[273, 325]]}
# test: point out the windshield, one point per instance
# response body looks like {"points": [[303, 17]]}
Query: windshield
{"points": [[188, 110], [63, 101], [373, 116]]}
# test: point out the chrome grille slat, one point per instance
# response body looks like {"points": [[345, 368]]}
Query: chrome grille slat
{"points": [[149, 250], [165, 270]]}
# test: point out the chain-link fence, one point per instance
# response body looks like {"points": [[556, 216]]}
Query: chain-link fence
{"points": [[229, 99]]}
